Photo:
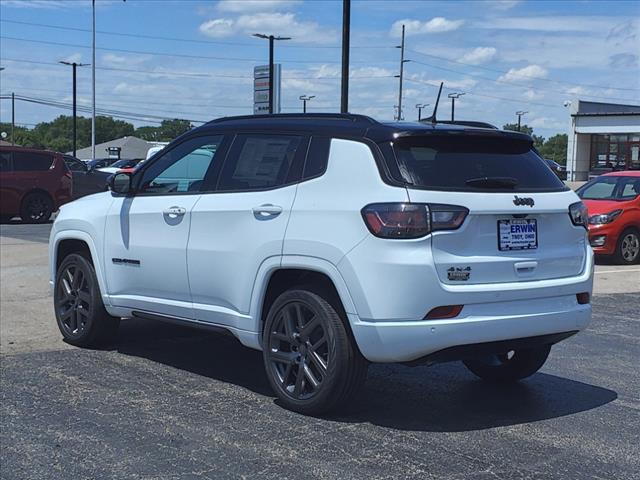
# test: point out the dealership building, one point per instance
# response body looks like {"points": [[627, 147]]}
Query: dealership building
{"points": [[602, 136]]}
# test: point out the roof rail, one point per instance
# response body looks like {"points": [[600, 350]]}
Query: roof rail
{"points": [[328, 116]]}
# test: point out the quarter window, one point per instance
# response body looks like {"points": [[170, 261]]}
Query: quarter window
{"points": [[317, 157], [258, 162], [28, 162], [183, 168]]}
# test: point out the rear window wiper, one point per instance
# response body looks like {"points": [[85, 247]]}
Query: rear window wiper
{"points": [[492, 182]]}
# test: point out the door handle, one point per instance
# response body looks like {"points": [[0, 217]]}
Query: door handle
{"points": [[525, 267], [174, 212], [267, 210]]}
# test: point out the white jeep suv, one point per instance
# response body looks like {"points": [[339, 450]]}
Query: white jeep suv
{"points": [[329, 241]]}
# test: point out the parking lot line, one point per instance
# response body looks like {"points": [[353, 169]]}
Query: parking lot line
{"points": [[619, 271]]}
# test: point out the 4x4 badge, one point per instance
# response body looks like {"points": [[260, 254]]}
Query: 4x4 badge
{"points": [[457, 274], [521, 201]]}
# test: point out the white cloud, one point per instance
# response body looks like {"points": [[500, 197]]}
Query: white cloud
{"points": [[218, 28], [113, 60], [546, 122], [75, 57], [269, 23], [479, 55], [417, 27], [531, 94], [242, 6], [524, 74]]}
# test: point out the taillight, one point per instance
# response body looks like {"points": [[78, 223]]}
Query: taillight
{"points": [[68, 174], [411, 220]]}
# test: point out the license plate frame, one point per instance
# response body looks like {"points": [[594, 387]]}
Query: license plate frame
{"points": [[506, 240]]}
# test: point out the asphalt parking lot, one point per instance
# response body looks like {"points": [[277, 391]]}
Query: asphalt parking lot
{"points": [[172, 403]]}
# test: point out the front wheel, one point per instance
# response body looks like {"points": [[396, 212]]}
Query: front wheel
{"points": [[510, 366], [628, 248], [312, 363], [80, 313]]}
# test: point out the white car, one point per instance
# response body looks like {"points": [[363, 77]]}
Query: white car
{"points": [[329, 241]]}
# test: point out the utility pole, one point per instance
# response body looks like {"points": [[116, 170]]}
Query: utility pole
{"points": [[74, 65], [93, 82], [271, 39], [453, 97], [305, 99], [520, 113], [346, 33], [420, 106], [402, 62], [13, 116]]}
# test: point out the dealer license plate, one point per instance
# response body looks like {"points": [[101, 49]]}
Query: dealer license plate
{"points": [[518, 234]]}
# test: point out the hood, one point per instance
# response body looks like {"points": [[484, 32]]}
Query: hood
{"points": [[597, 207]]}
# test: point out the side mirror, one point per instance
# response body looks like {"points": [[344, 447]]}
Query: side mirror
{"points": [[121, 183]]}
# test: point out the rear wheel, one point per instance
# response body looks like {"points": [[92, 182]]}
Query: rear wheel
{"points": [[80, 313], [312, 363], [628, 248], [37, 207], [509, 366]]}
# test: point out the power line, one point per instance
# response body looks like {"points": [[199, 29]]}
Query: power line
{"points": [[510, 83], [532, 77], [178, 39], [178, 55], [472, 92], [198, 75]]}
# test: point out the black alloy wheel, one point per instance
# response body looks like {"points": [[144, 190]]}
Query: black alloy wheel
{"points": [[80, 313], [311, 360], [73, 301], [299, 350], [36, 208]]}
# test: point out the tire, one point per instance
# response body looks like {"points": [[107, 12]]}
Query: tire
{"points": [[628, 247], [509, 367], [311, 360], [80, 313], [36, 207]]}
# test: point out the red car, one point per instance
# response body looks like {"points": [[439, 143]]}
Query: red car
{"points": [[33, 183], [613, 201]]}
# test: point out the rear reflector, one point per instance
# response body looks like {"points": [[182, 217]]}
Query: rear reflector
{"points": [[448, 311], [583, 298]]}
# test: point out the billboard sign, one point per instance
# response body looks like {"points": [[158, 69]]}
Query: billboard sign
{"points": [[261, 89]]}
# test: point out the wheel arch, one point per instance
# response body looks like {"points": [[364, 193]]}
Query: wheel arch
{"points": [[37, 190], [75, 241], [274, 279]]}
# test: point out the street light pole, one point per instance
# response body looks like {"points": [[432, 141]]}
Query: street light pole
{"points": [[453, 97], [74, 65], [305, 99], [271, 39], [420, 106], [346, 34], [520, 113]]}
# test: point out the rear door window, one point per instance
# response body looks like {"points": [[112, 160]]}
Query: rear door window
{"points": [[472, 163], [260, 162], [29, 162]]}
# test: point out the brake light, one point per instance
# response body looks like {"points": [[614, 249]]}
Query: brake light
{"points": [[411, 220], [68, 174]]}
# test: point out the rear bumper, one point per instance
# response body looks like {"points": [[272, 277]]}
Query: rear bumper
{"points": [[406, 341]]}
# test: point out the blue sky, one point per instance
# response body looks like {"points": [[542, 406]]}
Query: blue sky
{"points": [[194, 59]]}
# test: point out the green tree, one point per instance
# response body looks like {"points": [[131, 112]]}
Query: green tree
{"points": [[555, 148], [538, 141], [167, 131]]}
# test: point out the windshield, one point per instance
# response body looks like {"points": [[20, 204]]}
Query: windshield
{"points": [[472, 163], [610, 188]]}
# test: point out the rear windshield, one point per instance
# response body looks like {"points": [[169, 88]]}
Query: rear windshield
{"points": [[465, 163]]}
